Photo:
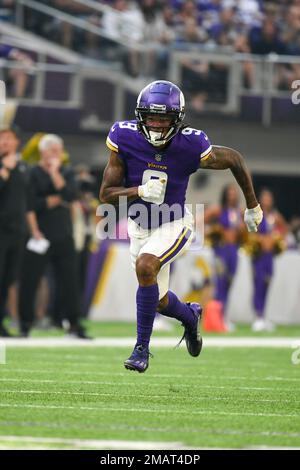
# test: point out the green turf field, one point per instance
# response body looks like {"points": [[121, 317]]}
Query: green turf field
{"points": [[103, 329], [77, 397]]}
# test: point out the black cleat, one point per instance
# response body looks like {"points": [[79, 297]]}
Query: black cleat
{"points": [[192, 334], [139, 359]]}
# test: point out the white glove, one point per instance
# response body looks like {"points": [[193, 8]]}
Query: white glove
{"points": [[152, 189], [253, 218]]}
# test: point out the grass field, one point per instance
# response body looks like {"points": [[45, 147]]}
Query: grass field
{"points": [[103, 329], [75, 397]]}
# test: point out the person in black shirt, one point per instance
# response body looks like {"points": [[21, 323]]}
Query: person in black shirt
{"points": [[13, 174], [52, 189]]}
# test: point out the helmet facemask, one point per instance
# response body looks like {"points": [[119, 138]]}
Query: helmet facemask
{"points": [[163, 134], [160, 99]]}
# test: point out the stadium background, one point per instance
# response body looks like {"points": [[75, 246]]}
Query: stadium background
{"points": [[74, 67]]}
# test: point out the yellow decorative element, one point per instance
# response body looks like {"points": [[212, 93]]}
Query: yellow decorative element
{"points": [[93, 246], [111, 145], [258, 243], [205, 291], [175, 247], [193, 296], [154, 165], [215, 235], [103, 279], [30, 152], [206, 157], [203, 266]]}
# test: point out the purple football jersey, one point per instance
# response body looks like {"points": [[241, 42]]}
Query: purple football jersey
{"points": [[174, 163]]}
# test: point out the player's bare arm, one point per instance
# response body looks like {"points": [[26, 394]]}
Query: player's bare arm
{"points": [[222, 158], [112, 186]]}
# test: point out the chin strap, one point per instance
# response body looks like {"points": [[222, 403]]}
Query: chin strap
{"points": [[156, 139]]}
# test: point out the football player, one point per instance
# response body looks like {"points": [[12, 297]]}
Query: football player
{"points": [[151, 160]]}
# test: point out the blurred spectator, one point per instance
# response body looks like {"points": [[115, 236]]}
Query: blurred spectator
{"points": [[264, 245], [31, 153], [124, 23], [195, 81], [224, 233], [17, 78], [160, 26], [157, 33], [190, 33], [225, 30], [84, 220], [248, 11], [290, 35], [291, 30], [203, 81], [241, 45], [7, 10], [13, 188], [188, 11], [266, 39], [52, 189], [66, 29], [166, 39], [294, 234]]}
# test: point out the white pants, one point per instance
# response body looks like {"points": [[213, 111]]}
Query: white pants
{"points": [[167, 242]]}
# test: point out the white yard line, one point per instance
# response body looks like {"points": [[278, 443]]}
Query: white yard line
{"points": [[241, 342], [125, 374], [95, 373], [150, 410], [128, 395], [144, 428], [28, 442], [91, 443], [32, 443], [133, 384]]}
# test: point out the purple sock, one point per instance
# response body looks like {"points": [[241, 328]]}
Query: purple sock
{"points": [[178, 310], [146, 303]]}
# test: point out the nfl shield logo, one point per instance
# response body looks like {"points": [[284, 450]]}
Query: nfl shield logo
{"points": [[158, 157]]}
